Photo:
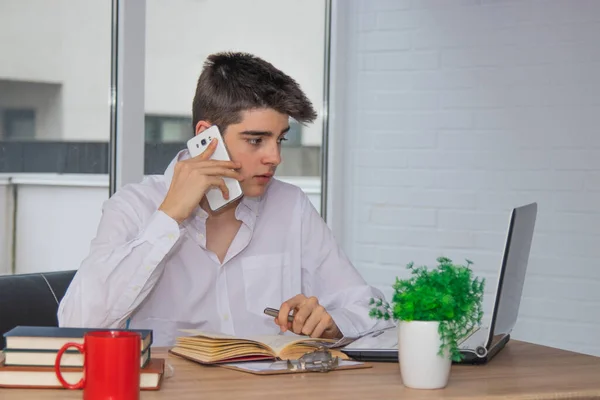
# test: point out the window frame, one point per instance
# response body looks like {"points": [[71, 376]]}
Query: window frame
{"points": [[127, 91]]}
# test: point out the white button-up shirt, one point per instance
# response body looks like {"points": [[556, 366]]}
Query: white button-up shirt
{"points": [[145, 267]]}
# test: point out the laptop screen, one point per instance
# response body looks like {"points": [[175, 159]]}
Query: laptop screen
{"points": [[515, 258]]}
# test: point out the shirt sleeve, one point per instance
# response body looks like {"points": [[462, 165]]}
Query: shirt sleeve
{"points": [[328, 274], [122, 267]]}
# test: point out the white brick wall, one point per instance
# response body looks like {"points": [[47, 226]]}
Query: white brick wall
{"points": [[446, 114]]}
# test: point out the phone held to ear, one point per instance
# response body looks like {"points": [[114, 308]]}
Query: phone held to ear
{"points": [[196, 146]]}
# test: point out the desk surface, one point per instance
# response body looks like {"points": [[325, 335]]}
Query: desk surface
{"points": [[520, 371]]}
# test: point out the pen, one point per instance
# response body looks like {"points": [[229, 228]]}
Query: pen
{"points": [[275, 313]]}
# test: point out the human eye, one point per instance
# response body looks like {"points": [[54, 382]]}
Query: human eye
{"points": [[282, 139], [254, 141]]}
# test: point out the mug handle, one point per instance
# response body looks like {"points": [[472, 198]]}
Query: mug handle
{"points": [[66, 384]]}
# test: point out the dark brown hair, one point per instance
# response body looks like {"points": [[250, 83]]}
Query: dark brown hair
{"points": [[234, 82]]}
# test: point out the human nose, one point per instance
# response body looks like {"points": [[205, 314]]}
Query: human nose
{"points": [[273, 156]]}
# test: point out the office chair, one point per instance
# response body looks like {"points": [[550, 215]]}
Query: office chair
{"points": [[31, 299]]}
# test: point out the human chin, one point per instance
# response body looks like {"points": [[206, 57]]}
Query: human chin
{"points": [[251, 189]]}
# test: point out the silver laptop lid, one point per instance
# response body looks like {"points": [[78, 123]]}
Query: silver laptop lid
{"points": [[512, 272]]}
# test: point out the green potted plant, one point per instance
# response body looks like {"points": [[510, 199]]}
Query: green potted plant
{"points": [[434, 309]]}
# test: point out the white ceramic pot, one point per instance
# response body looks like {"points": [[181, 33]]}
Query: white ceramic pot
{"points": [[420, 365]]}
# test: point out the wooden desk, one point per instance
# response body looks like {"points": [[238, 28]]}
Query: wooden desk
{"points": [[520, 371]]}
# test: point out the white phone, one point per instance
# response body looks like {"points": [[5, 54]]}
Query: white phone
{"points": [[196, 146]]}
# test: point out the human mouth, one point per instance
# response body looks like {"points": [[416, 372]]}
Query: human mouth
{"points": [[265, 178]]}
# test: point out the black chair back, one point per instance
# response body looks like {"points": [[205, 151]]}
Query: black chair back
{"points": [[31, 299]]}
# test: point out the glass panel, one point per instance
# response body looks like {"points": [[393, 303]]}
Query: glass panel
{"points": [[54, 130], [180, 36], [161, 129]]}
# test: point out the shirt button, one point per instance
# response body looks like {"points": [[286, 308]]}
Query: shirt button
{"points": [[148, 267], [200, 236], [136, 288], [171, 236], [226, 317]]}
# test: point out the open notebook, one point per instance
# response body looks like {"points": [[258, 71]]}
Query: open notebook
{"points": [[216, 348]]}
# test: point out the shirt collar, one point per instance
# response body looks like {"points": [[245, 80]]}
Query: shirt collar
{"points": [[253, 204]]}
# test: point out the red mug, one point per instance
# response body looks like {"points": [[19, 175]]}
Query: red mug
{"points": [[111, 366]]}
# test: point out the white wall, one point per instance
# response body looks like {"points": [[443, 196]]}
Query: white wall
{"points": [[452, 112]]}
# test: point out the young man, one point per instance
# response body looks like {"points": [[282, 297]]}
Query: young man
{"points": [[163, 261]]}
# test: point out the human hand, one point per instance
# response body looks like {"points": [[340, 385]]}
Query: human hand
{"points": [[310, 318], [192, 178]]}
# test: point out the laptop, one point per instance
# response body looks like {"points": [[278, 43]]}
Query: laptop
{"points": [[483, 343]]}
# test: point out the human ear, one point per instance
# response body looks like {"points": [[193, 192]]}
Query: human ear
{"points": [[201, 126]]}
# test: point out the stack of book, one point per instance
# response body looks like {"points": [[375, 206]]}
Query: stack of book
{"points": [[30, 353]]}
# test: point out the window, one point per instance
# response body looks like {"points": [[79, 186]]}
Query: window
{"points": [[55, 106], [180, 34], [54, 130]]}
